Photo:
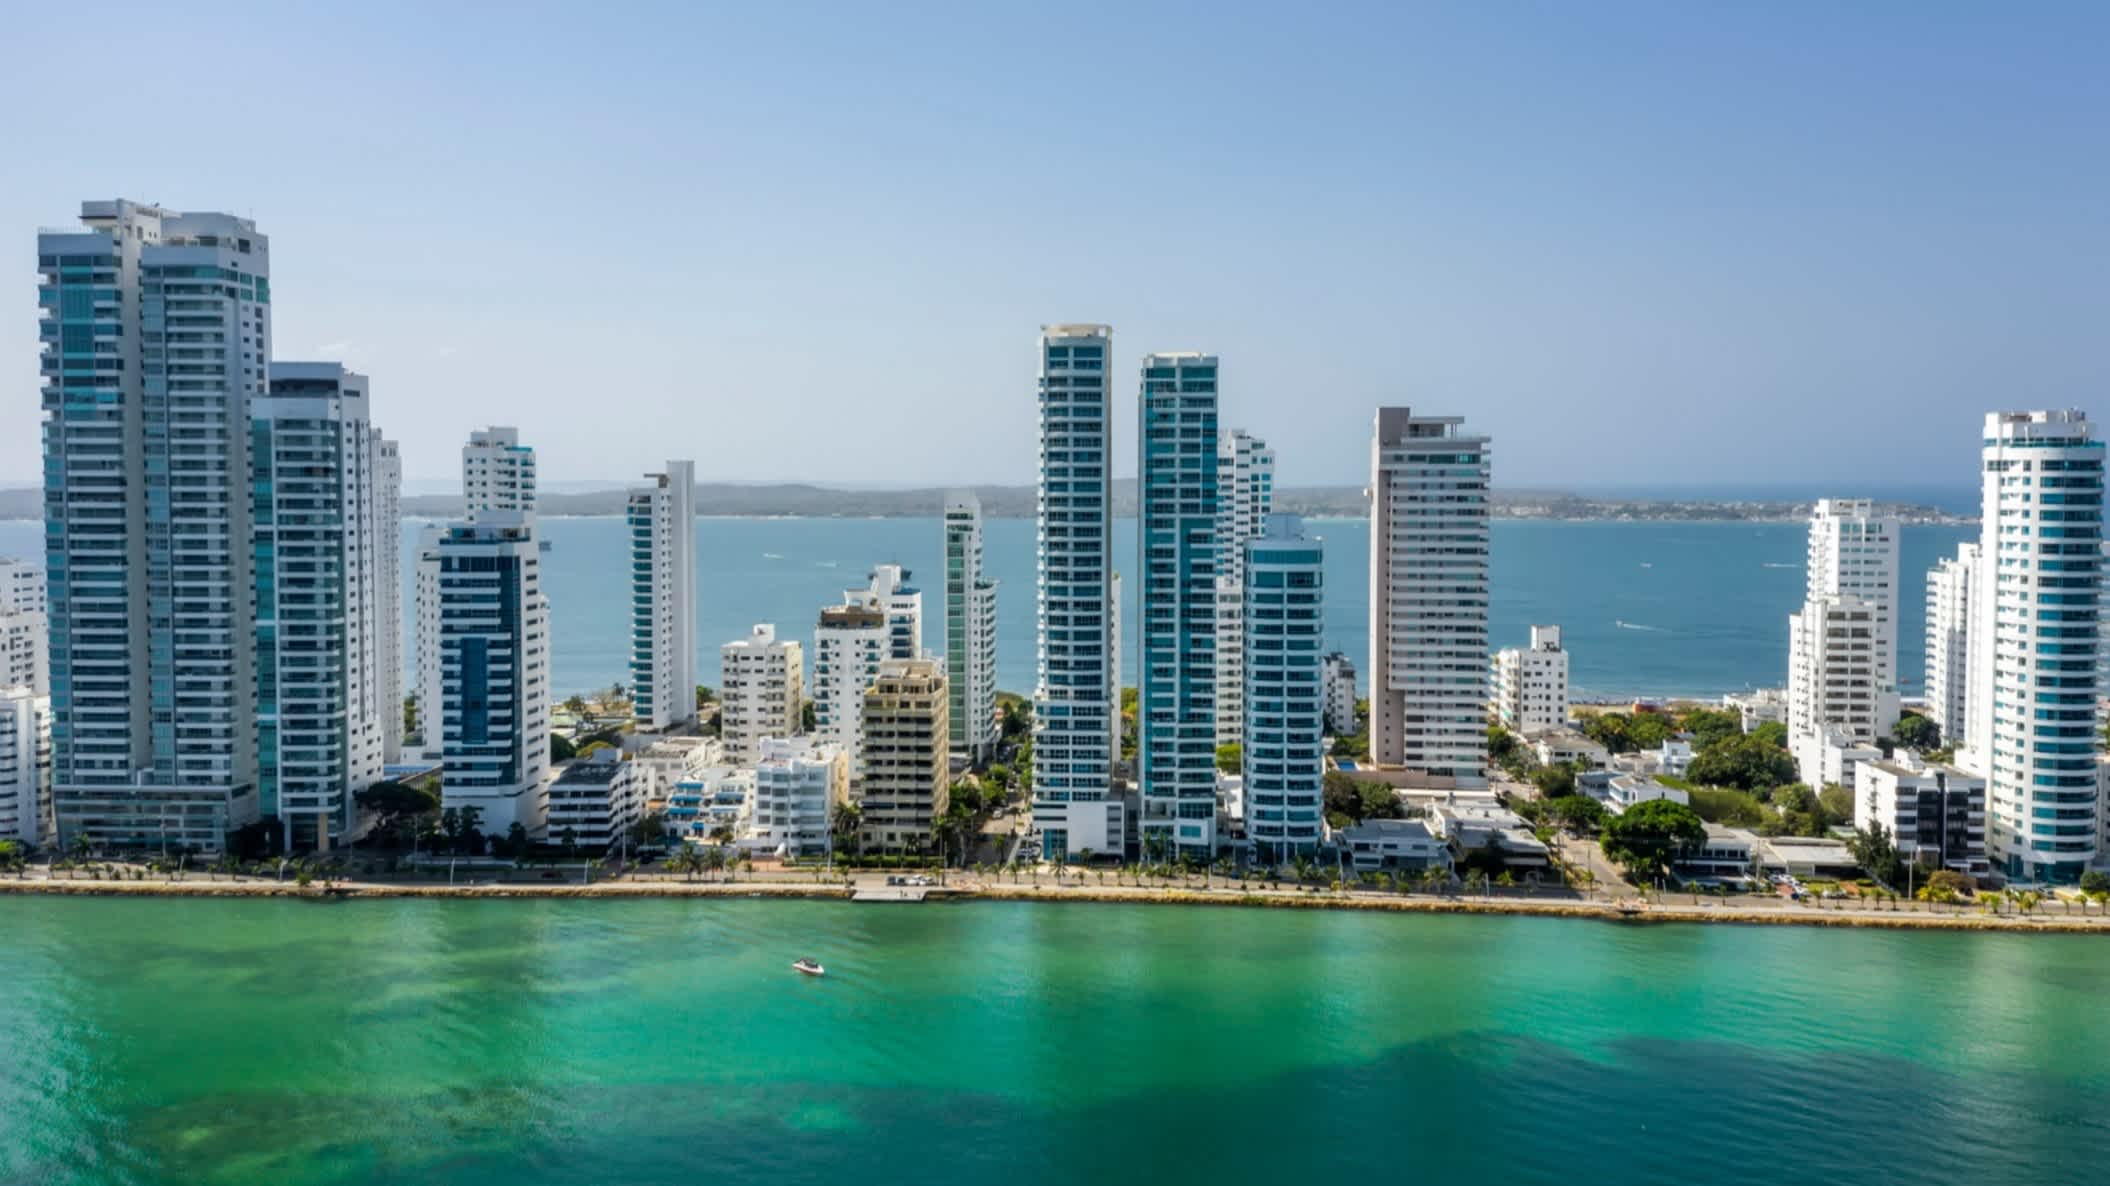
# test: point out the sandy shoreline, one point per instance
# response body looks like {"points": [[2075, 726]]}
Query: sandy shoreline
{"points": [[1969, 919]]}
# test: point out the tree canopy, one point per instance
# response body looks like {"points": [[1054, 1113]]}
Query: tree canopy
{"points": [[1647, 837], [1917, 731], [1745, 761], [1352, 800]]}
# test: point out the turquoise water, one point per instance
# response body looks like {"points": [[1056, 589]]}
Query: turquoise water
{"points": [[1648, 608], [531, 1042]]}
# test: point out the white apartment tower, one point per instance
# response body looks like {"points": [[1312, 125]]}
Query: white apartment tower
{"points": [[494, 671], [1842, 644], [25, 766], [1176, 484], [1245, 484], [799, 782], [662, 521], [1531, 684], [1428, 598], [388, 566], [1948, 632], [1339, 673], [2033, 643], [763, 692], [320, 639], [155, 326], [25, 627], [849, 642], [901, 602], [1076, 718], [970, 632], [498, 474], [1284, 702]]}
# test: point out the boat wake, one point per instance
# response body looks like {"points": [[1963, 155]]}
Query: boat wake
{"points": [[1623, 625], [1778, 564], [772, 555]]}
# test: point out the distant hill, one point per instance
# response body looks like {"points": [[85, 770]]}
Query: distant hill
{"points": [[743, 500]]}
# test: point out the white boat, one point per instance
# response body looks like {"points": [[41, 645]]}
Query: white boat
{"points": [[810, 967]]}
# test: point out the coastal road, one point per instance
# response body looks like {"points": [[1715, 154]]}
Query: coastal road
{"points": [[1590, 855]]}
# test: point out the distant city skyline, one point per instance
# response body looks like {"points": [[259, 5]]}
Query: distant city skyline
{"points": [[1621, 240]]}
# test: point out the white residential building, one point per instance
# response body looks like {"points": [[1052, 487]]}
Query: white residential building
{"points": [[905, 782], [494, 671], [156, 328], [1622, 791], [1245, 484], [1338, 670], [849, 642], [1531, 684], [388, 583], [763, 693], [1949, 585], [1935, 813], [2033, 644], [498, 472], [1831, 756], [1759, 706], [970, 632], [798, 784], [662, 521], [25, 766], [594, 801], [1176, 635], [1428, 598], [425, 637], [321, 642], [24, 627], [1284, 702], [1842, 643], [901, 602], [1076, 718]]}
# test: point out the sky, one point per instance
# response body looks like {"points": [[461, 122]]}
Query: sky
{"points": [[1647, 244]]}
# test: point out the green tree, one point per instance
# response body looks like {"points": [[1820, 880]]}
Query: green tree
{"points": [[1555, 781], [1577, 813], [1728, 807], [1610, 730], [2095, 882], [806, 717], [1877, 854], [846, 823], [1230, 757], [1917, 731], [1743, 761], [394, 802], [1772, 733], [1647, 730], [704, 695], [560, 749], [1710, 725], [1647, 837]]}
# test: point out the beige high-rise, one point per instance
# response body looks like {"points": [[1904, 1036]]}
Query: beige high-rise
{"points": [[907, 755]]}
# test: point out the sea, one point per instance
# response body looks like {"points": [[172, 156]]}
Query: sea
{"points": [[551, 1042], [1647, 609]]}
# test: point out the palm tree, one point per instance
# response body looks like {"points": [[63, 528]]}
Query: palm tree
{"points": [[845, 823]]}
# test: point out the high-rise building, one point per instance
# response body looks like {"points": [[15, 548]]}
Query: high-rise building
{"points": [[25, 628], [662, 518], [907, 756], [498, 474], [901, 602], [1842, 644], [1339, 673], [1948, 631], [1076, 722], [970, 632], [763, 693], [25, 766], [320, 640], [1428, 598], [2033, 643], [799, 782], [1285, 701], [849, 642], [494, 671], [156, 326], [1176, 490], [388, 579], [1245, 484], [1531, 684]]}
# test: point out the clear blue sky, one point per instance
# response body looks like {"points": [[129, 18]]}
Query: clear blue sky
{"points": [[1636, 242]]}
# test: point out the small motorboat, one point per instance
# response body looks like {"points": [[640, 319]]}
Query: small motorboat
{"points": [[810, 967]]}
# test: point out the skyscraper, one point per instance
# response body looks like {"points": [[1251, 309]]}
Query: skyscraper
{"points": [[1075, 718], [388, 567], [662, 519], [320, 641], [907, 766], [494, 671], [1176, 489], [1428, 598], [901, 602], [1948, 631], [1842, 643], [849, 642], [1245, 483], [156, 328], [970, 632], [2033, 643], [1285, 699], [498, 474]]}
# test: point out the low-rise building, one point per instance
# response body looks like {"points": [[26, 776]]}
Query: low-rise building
{"points": [[1806, 856], [1829, 756], [1674, 757], [1621, 791], [1397, 844], [1727, 853], [594, 801], [1935, 813], [711, 802], [1473, 827], [1566, 745], [1759, 706], [799, 783]]}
